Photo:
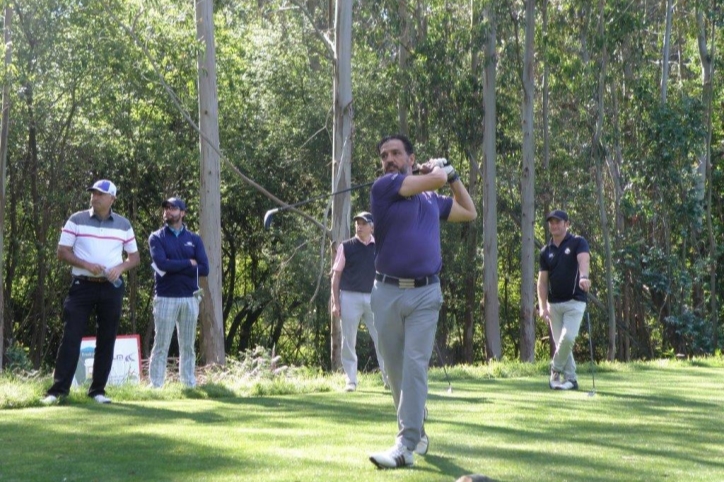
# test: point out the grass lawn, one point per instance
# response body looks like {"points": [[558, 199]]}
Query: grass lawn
{"points": [[652, 421]]}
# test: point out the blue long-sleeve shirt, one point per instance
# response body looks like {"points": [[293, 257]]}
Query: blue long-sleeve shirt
{"points": [[173, 254]]}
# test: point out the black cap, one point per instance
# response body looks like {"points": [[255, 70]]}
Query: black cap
{"points": [[364, 216], [174, 201], [557, 214]]}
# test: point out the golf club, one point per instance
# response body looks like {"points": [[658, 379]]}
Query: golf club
{"points": [[590, 344], [269, 214], [439, 355]]}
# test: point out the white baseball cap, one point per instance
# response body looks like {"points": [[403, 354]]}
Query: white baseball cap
{"points": [[105, 186]]}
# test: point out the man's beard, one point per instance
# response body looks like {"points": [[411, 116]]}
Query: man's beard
{"points": [[399, 170], [172, 219]]}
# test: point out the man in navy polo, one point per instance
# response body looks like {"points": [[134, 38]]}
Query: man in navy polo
{"points": [[353, 275], [563, 282], [406, 297], [179, 259], [92, 242]]}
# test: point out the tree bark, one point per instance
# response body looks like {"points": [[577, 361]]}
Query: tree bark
{"points": [[491, 301], [212, 323], [597, 152], [665, 53], [342, 147], [4, 130], [527, 185], [707, 63]]}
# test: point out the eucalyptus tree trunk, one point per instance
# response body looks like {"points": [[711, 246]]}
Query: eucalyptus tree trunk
{"points": [[597, 152], [3, 162], [546, 181], [403, 54], [707, 62], [342, 146], [527, 189], [665, 54], [491, 301], [614, 163], [212, 322], [472, 149]]}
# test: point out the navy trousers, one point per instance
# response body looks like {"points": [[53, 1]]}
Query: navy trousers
{"points": [[84, 299]]}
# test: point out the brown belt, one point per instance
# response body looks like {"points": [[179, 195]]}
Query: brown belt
{"points": [[92, 279]]}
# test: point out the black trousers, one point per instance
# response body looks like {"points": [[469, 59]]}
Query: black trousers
{"points": [[84, 298]]}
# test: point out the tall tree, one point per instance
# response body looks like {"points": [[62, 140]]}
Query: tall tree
{"points": [[527, 188], [342, 145], [4, 128], [706, 57], [665, 65], [212, 321], [493, 347]]}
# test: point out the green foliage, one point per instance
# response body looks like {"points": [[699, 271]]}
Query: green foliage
{"points": [[87, 102], [17, 360]]}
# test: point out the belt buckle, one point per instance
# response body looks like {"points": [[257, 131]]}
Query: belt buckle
{"points": [[406, 283]]}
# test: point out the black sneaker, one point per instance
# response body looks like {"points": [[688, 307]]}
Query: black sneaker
{"points": [[568, 385]]}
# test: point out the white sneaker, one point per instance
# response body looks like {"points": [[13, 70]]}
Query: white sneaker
{"points": [[350, 387], [102, 399], [568, 385], [398, 456], [555, 381], [49, 400], [422, 445]]}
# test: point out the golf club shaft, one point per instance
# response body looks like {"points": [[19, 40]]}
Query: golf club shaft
{"points": [[323, 196], [590, 344], [439, 355]]}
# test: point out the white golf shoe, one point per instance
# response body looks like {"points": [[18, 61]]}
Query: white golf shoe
{"points": [[394, 458], [555, 381], [423, 445], [50, 400], [568, 385]]}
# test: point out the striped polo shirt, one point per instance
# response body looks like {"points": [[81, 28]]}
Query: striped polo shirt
{"points": [[98, 241]]}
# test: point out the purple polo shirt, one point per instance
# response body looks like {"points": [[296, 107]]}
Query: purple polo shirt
{"points": [[407, 229]]}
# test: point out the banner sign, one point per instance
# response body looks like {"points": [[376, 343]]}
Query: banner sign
{"points": [[126, 366]]}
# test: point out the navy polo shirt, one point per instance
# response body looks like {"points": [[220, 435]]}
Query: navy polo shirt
{"points": [[561, 263]]}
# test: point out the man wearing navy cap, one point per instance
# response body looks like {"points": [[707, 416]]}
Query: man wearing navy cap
{"points": [[353, 274], [563, 282], [179, 259], [92, 242]]}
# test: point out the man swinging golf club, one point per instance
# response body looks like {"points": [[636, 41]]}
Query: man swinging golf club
{"points": [[406, 296], [563, 284]]}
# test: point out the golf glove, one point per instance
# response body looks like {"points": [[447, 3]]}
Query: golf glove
{"points": [[445, 165]]}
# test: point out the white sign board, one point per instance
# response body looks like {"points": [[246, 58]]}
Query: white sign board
{"points": [[126, 366]]}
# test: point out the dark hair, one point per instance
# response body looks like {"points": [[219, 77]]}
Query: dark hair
{"points": [[400, 137]]}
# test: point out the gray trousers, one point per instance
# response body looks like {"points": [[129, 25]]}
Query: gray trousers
{"points": [[355, 307], [406, 321], [566, 320]]}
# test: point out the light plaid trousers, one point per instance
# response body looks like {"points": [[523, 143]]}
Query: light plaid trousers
{"points": [[183, 314]]}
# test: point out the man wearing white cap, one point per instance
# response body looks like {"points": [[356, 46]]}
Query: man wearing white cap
{"points": [[179, 258], [353, 275], [92, 242]]}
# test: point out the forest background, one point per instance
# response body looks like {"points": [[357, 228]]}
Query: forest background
{"points": [[610, 110]]}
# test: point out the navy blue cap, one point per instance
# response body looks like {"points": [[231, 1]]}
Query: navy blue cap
{"points": [[174, 201], [364, 216], [557, 214]]}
